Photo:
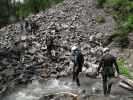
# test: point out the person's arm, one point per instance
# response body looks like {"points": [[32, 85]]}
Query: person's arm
{"points": [[115, 63], [82, 59], [116, 66], [99, 67]]}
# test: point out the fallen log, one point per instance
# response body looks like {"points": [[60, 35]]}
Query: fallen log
{"points": [[75, 96], [125, 86], [126, 83]]}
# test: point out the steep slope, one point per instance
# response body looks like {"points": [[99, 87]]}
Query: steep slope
{"points": [[24, 53]]}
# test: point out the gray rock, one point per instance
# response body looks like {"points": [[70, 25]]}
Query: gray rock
{"points": [[97, 87], [8, 72], [23, 37], [5, 62], [99, 35], [32, 50]]}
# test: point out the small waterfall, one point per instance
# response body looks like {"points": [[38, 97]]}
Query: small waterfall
{"points": [[53, 83]]}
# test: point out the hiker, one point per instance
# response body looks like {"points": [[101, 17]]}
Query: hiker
{"points": [[106, 66], [78, 60]]}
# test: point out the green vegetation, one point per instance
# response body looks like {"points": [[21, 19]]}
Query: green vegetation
{"points": [[123, 69], [15, 10], [122, 11], [121, 38], [100, 3], [100, 19]]}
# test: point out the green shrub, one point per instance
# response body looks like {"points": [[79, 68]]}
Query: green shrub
{"points": [[123, 69], [128, 23], [122, 12], [129, 7], [100, 19], [100, 3], [125, 26], [121, 38]]}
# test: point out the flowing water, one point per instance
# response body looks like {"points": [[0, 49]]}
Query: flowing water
{"points": [[65, 89], [36, 90]]}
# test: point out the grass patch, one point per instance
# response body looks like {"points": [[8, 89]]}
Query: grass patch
{"points": [[123, 69], [100, 19]]}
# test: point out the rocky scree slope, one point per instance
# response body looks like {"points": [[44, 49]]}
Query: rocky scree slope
{"points": [[23, 53]]}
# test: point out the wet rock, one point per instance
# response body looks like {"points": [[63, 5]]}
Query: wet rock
{"points": [[63, 74], [3, 89], [53, 75], [48, 97], [97, 87], [99, 35], [61, 97]]}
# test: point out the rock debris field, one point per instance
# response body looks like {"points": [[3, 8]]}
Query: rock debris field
{"points": [[23, 51]]}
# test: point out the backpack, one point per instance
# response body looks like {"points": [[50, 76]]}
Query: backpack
{"points": [[77, 57]]}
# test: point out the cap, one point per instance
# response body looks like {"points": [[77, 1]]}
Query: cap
{"points": [[74, 48]]}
